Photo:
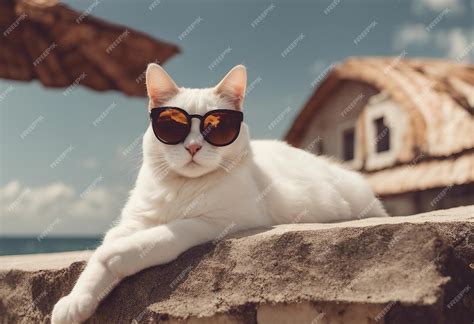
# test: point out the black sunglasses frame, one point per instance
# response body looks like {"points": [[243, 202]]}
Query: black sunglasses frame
{"points": [[155, 113]]}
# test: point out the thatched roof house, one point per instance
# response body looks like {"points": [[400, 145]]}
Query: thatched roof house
{"points": [[408, 124], [46, 40]]}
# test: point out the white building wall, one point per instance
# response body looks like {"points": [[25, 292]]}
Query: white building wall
{"points": [[339, 112], [396, 119]]}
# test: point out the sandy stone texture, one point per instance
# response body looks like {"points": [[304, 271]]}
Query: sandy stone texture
{"points": [[414, 269]]}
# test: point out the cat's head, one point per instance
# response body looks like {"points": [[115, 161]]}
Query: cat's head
{"points": [[194, 157]]}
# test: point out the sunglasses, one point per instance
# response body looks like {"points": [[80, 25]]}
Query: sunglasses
{"points": [[219, 127]]}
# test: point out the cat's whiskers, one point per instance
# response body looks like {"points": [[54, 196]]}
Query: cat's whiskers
{"points": [[135, 158], [228, 164], [160, 170]]}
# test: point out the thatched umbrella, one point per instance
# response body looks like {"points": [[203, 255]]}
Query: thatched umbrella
{"points": [[61, 47]]}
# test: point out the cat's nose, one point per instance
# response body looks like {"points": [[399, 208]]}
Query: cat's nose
{"points": [[193, 148]]}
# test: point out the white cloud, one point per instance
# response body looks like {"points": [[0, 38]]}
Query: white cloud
{"points": [[410, 34], [430, 6], [452, 42], [11, 190], [57, 209]]}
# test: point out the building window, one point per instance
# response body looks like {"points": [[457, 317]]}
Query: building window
{"points": [[383, 135], [348, 144]]}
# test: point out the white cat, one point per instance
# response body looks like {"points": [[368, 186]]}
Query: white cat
{"points": [[193, 192]]}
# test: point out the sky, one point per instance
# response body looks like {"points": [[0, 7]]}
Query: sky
{"points": [[62, 174]]}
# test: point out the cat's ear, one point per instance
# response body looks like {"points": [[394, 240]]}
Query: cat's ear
{"points": [[232, 87], [159, 85]]}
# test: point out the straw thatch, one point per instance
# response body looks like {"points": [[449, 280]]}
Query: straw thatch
{"points": [[61, 47], [456, 170], [438, 98]]}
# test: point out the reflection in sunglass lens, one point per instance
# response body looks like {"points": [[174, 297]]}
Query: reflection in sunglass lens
{"points": [[171, 126], [221, 128]]}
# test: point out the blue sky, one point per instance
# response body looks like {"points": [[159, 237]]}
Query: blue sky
{"points": [[62, 175]]}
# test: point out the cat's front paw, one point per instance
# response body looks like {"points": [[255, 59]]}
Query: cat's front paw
{"points": [[120, 258], [74, 308]]}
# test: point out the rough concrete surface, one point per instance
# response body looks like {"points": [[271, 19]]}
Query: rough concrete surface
{"points": [[414, 269]]}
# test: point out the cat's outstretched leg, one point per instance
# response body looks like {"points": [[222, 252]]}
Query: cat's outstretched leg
{"points": [[124, 255], [160, 244], [94, 283]]}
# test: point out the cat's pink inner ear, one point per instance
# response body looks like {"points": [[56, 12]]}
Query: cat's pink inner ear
{"points": [[233, 85], [160, 86]]}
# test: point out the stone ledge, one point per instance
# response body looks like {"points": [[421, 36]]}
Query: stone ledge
{"points": [[414, 269]]}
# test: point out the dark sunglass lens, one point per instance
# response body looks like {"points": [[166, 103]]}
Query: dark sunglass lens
{"points": [[171, 126], [221, 128]]}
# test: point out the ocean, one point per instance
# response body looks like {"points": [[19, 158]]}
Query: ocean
{"points": [[30, 245]]}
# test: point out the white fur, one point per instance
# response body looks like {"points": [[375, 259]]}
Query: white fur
{"points": [[180, 201]]}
